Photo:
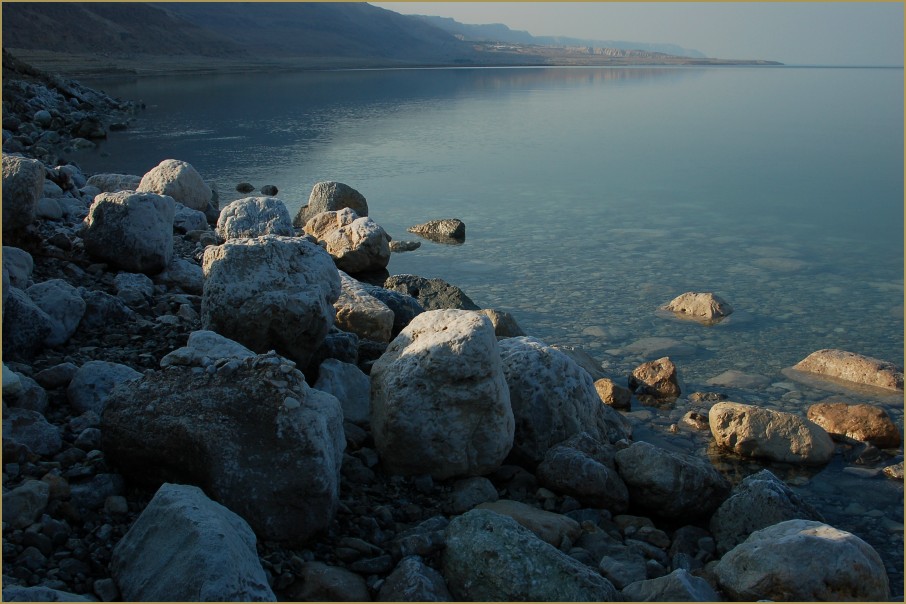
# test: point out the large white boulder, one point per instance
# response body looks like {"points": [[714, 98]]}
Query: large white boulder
{"points": [[186, 548], [180, 181], [131, 231], [700, 306], [254, 216], [753, 431], [553, 399], [852, 367], [440, 404], [23, 186], [270, 293], [356, 243]]}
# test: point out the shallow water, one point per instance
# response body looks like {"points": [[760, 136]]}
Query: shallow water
{"points": [[593, 196]]}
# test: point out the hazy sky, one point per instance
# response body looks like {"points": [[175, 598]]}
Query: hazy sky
{"points": [[838, 33]]}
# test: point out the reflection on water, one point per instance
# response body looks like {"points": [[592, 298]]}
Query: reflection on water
{"points": [[592, 197]]}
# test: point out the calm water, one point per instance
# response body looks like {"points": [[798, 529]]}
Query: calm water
{"points": [[592, 196]]}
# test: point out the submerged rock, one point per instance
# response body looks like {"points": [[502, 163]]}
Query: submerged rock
{"points": [[656, 379], [852, 367], [445, 230], [701, 306], [861, 422]]}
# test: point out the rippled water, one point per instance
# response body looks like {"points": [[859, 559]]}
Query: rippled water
{"points": [[593, 196]]}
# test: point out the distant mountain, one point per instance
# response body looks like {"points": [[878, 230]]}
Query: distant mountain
{"points": [[498, 32]]}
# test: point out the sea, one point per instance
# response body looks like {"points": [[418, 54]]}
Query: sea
{"points": [[594, 196]]}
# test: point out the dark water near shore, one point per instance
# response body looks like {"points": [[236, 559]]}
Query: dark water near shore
{"points": [[591, 197]]}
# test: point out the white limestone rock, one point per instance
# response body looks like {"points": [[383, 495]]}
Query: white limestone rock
{"points": [[862, 422], [350, 386], [852, 367], [63, 305], [699, 306], [179, 180], [23, 186], [112, 183], [186, 219], [361, 313], [357, 244], [254, 216], [204, 348], [330, 196]]}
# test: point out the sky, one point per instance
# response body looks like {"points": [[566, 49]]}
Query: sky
{"points": [[795, 33]]}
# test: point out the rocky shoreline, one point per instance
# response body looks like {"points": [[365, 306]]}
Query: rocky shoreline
{"points": [[356, 436]]}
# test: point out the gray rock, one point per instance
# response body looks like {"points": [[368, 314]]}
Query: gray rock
{"points": [[404, 307], [131, 231], [102, 310], [25, 326], [738, 379], [330, 196], [623, 569], [805, 561], [432, 294], [186, 219], [444, 230], [12, 384], [759, 501], [548, 526], [253, 217], [48, 209], [23, 505], [94, 381], [23, 186], [93, 494], [358, 312], [583, 467], [186, 275], [678, 586], [31, 395], [57, 376], [111, 183], [319, 582], [178, 180], [414, 581], [185, 547], [63, 304], [270, 293], [19, 265], [670, 484], [135, 289], [39, 593], [226, 431], [204, 348], [470, 492], [524, 567], [350, 386], [269, 190], [30, 428]]}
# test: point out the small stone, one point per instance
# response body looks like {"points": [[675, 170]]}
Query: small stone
{"points": [[116, 505]]}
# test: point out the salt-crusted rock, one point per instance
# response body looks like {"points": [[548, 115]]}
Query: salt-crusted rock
{"points": [[432, 294], [111, 183], [670, 484], [23, 185], [19, 264], [552, 399], [524, 567], [94, 381], [39, 593], [584, 468], [852, 367], [254, 216], [270, 293], [361, 313], [330, 196], [131, 231], [185, 547], [678, 586], [702, 306], [252, 434], [350, 386], [404, 307], [440, 404], [63, 305], [179, 180], [505, 325], [444, 230], [414, 581], [656, 379], [319, 582], [186, 219], [805, 561], [25, 326], [204, 348], [24, 505], [613, 394], [756, 432], [183, 274], [29, 428], [357, 244], [860, 422], [550, 527], [759, 501]]}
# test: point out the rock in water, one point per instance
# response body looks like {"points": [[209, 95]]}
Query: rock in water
{"points": [[357, 244], [804, 561], [756, 432], [131, 231], [432, 294], [860, 422], [445, 230], [253, 217], [23, 186], [270, 293], [440, 404], [252, 434], [185, 547], [852, 367], [701, 306], [656, 379], [180, 181], [491, 558], [330, 196]]}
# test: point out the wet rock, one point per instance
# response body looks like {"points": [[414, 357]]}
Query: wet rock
{"points": [[39, 593], [319, 582], [94, 381], [414, 581], [24, 505], [269, 190], [470, 492], [852, 367], [330, 196], [432, 294], [253, 217], [185, 547], [404, 307], [656, 379], [404, 246], [505, 325], [25, 326], [19, 265], [525, 567], [31, 429], [245, 187], [583, 467], [350, 386], [613, 394], [861, 422], [803, 560], [894, 471], [270, 293], [696, 420], [131, 231], [678, 586], [442, 230], [550, 527], [179, 180], [670, 484], [357, 244], [738, 379], [440, 405], [756, 432], [552, 399], [111, 183], [23, 185], [701, 306], [361, 313], [759, 501], [226, 431]]}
